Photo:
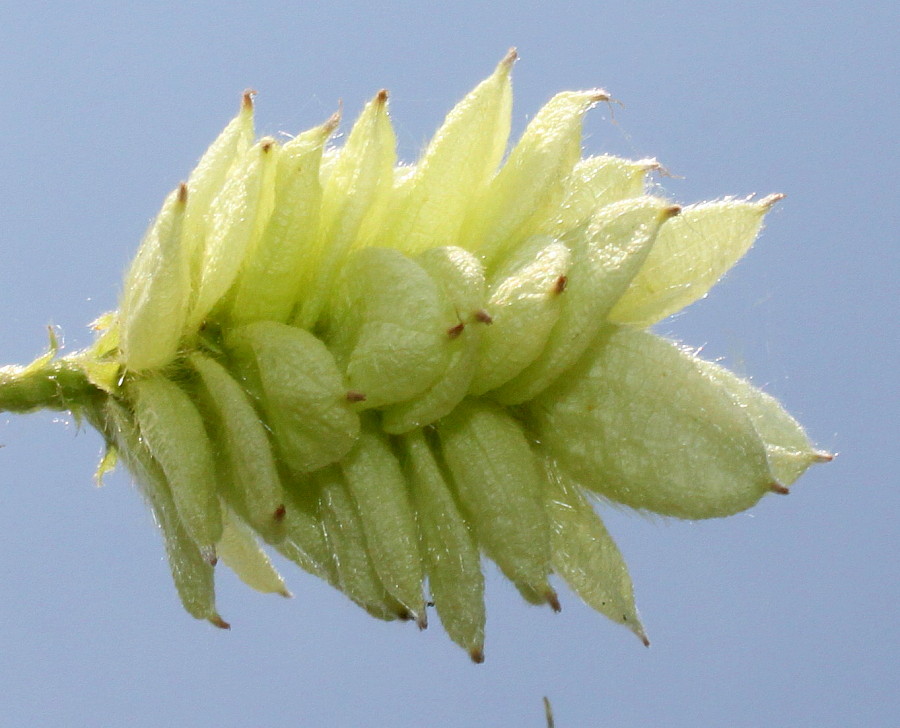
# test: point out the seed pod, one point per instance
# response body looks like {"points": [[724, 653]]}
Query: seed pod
{"points": [[527, 191], [500, 490], [789, 450], [584, 554], [357, 577], [378, 487], [448, 548], [610, 423], [208, 178], [157, 291], [594, 183], [460, 279], [270, 284], [249, 470], [191, 570], [173, 431], [386, 330], [300, 391], [432, 200], [304, 538], [524, 302], [237, 218], [606, 255], [359, 180], [691, 253], [239, 550]]}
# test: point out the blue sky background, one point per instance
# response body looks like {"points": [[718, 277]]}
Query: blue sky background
{"points": [[781, 616]]}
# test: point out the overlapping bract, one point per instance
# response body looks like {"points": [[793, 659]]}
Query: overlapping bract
{"points": [[383, 371]]}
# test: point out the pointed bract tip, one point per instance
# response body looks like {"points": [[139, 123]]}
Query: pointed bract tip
{"points": [[454, 331], [512, 55], [332, 123], [641, 636], [822, 456], [598, 94], [382, 96], [560, 285], [182, 193], [219, 622], [286, 594], [405, 615], [483, 316], [208, 554], [279, 513], [769, 201], [552, 599], [247, 99], [422, 619], [266, 144], [779, 488], [649, 164], [477, 654], [671, 211], [354, 396]]}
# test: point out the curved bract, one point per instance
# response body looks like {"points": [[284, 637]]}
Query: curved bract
{"points": [[384, 372]]}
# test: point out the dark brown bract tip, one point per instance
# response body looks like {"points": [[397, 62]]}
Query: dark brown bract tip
{"points": [[483, 316], [219, 622], [354, 396], [553, 601], [779, 488], [671, 211], [279, 513], [454, 331], [247, 98], [477, 655]]}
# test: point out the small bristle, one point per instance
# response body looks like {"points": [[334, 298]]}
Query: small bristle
{"points": [[821, 456], [779, 488]]}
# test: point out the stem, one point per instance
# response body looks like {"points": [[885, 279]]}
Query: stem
{"points": [[58, 384]]}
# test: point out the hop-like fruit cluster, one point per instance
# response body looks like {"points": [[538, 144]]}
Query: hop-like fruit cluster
{"points": [[384, 371]]}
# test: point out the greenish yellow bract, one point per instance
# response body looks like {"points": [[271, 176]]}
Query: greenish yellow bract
{"points": [[384, 372]]}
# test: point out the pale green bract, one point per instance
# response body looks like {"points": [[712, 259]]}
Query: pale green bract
{"points": [[385, 371]]}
